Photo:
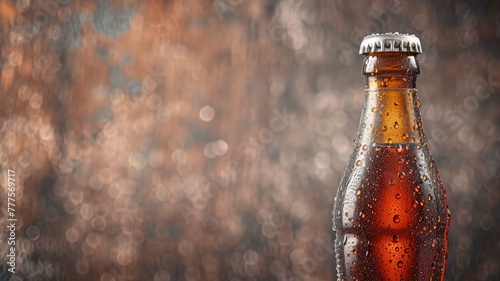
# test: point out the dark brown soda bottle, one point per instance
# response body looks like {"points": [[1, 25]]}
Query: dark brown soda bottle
{"points": [[391, 214]]}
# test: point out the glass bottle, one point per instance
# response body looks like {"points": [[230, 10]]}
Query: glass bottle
{"points": [[391, 214]]}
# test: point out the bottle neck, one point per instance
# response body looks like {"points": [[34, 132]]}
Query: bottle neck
{"points": [[391, 108]]}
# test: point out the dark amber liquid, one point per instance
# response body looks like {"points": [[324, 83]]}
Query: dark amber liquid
{"points": [[391, 215]]}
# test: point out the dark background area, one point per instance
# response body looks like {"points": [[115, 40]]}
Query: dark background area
{"points": [[205, 140]]}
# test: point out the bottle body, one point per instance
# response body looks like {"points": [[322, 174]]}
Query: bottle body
{"points": [[391, 215]]}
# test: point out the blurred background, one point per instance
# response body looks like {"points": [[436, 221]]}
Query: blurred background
{"points": [[205, 140]]}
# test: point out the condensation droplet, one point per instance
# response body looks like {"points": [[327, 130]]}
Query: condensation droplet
{"points": [[396, 125], [359, 162], [374, 109], [415, 126], [398, 196], [395, 238], [399, 149], [400, 264], [429, 197], [396, 219], [401, 175]]}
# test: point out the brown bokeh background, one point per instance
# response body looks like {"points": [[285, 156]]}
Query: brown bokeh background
{"points": [[205, 140]]}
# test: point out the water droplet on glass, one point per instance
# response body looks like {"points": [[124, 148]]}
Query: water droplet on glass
{"points": [[396, 125], [399, 149], [429, 197], [401, 175], [400, 264], [396, 219], [384, 128], [398, 196], [415, 126], [365, 147], [359, 162], [374, 109], [395, 238]]}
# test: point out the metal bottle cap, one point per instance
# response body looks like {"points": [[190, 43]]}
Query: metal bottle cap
{"points": [[390, 42]]}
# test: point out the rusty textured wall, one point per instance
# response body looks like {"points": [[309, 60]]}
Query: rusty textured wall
{"points": [[205, 139]]}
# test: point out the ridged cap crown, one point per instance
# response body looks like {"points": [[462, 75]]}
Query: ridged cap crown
{"points": [[390, 42]]}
